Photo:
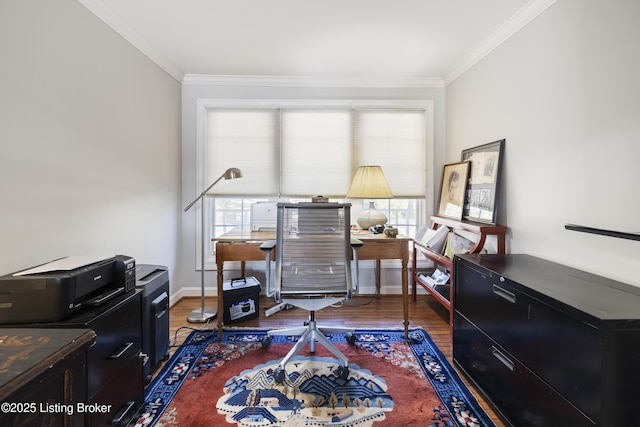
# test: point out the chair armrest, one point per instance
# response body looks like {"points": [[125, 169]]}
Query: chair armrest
{"points": [[356, 244], [268, 245]]}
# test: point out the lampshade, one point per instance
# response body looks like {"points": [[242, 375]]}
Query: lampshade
{"points": [[369, 182], [232, 173]]}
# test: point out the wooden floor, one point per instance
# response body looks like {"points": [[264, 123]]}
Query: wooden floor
{"points": [[360, 312]]}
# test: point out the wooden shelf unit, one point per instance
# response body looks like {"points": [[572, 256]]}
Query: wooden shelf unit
{"points": [[482, 231]]}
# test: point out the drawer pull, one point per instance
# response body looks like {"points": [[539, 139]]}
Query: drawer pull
{"points": [[121, 350], [502, 292], [119, 416], [502, 358]]}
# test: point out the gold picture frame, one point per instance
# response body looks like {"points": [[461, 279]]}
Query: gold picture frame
{"points": [[454, 186]]}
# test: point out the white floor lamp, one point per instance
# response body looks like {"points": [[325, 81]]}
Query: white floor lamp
{"points": [[202, 314]]}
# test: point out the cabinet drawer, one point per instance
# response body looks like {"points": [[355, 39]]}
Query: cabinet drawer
{"points": [[122, 394], [562, 350], [118, 340], [239, 251], [522, 397]]}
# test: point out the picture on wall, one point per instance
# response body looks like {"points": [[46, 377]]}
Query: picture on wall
{"points": [[454, 181], [481, 198]]}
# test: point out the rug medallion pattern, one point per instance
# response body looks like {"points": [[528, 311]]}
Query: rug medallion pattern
{"points": [[253, 398]]}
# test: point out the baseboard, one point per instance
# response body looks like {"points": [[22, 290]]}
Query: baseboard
{"points": [[194, 291]]}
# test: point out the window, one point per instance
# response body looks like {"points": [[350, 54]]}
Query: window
{"points": [[404, 214], [316, 152], [249, 140], [234, 212], [231, 212], [290, 151], [395, 140]]}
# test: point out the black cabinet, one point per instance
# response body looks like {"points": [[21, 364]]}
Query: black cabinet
{"points": [[115, 366], [547, 344], [153, 280], [115, 378]]}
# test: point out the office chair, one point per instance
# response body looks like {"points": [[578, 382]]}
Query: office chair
{"points": [[313, 253]]}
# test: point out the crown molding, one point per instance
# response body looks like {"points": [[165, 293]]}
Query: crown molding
{"points": [[525, 15], [301, 81], [103, 12]]}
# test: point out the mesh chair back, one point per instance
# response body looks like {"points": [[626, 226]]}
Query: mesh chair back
{"points": [[313, 256]]}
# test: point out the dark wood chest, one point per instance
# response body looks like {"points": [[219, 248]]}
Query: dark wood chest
{"points": [[43, 376]]}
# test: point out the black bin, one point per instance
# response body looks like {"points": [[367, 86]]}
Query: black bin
{"points": [[241, 299]]}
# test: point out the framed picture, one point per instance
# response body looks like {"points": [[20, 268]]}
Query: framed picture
{"points": [[481, 199], [454, 182]]}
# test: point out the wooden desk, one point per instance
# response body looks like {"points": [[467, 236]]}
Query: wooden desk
{"points": [[244, 245], [378, 247]]}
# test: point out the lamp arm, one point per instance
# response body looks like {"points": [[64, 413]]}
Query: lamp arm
{"points": [[203, 193]]}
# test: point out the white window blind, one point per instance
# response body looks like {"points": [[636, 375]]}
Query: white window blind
{"points": [[248, 140], [306, 152], [395, 140], [316, 152]]}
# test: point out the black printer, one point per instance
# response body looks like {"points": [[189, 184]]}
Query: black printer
{"points": [[54, 291]]}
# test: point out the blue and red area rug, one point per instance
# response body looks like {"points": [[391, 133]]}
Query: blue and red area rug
{"points": [[391, 382]]}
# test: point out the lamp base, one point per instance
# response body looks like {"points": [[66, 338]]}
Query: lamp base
{"points": [[370, 217], [197, 316]]}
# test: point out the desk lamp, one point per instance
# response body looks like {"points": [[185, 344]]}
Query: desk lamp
{"points": [[369, 182], [202, 314]]}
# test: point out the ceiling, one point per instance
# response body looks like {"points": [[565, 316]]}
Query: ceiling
{"points": [[421, 40]]}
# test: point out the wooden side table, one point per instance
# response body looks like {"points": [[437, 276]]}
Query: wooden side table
{"points": [[378, 247]]}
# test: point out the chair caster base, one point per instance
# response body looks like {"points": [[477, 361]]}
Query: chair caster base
{"points": [[266, 342], [351, 339], [279, 375], [342, 372]]}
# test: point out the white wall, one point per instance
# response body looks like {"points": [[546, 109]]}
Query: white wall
{"points": [[89, 141], [564, 92], [192, 92]]}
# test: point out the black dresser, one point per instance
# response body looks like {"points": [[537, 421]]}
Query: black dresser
{"points": [[547, 344], [115, 379]]}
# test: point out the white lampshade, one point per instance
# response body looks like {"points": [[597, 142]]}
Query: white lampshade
{"points": [[369, 182]]}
